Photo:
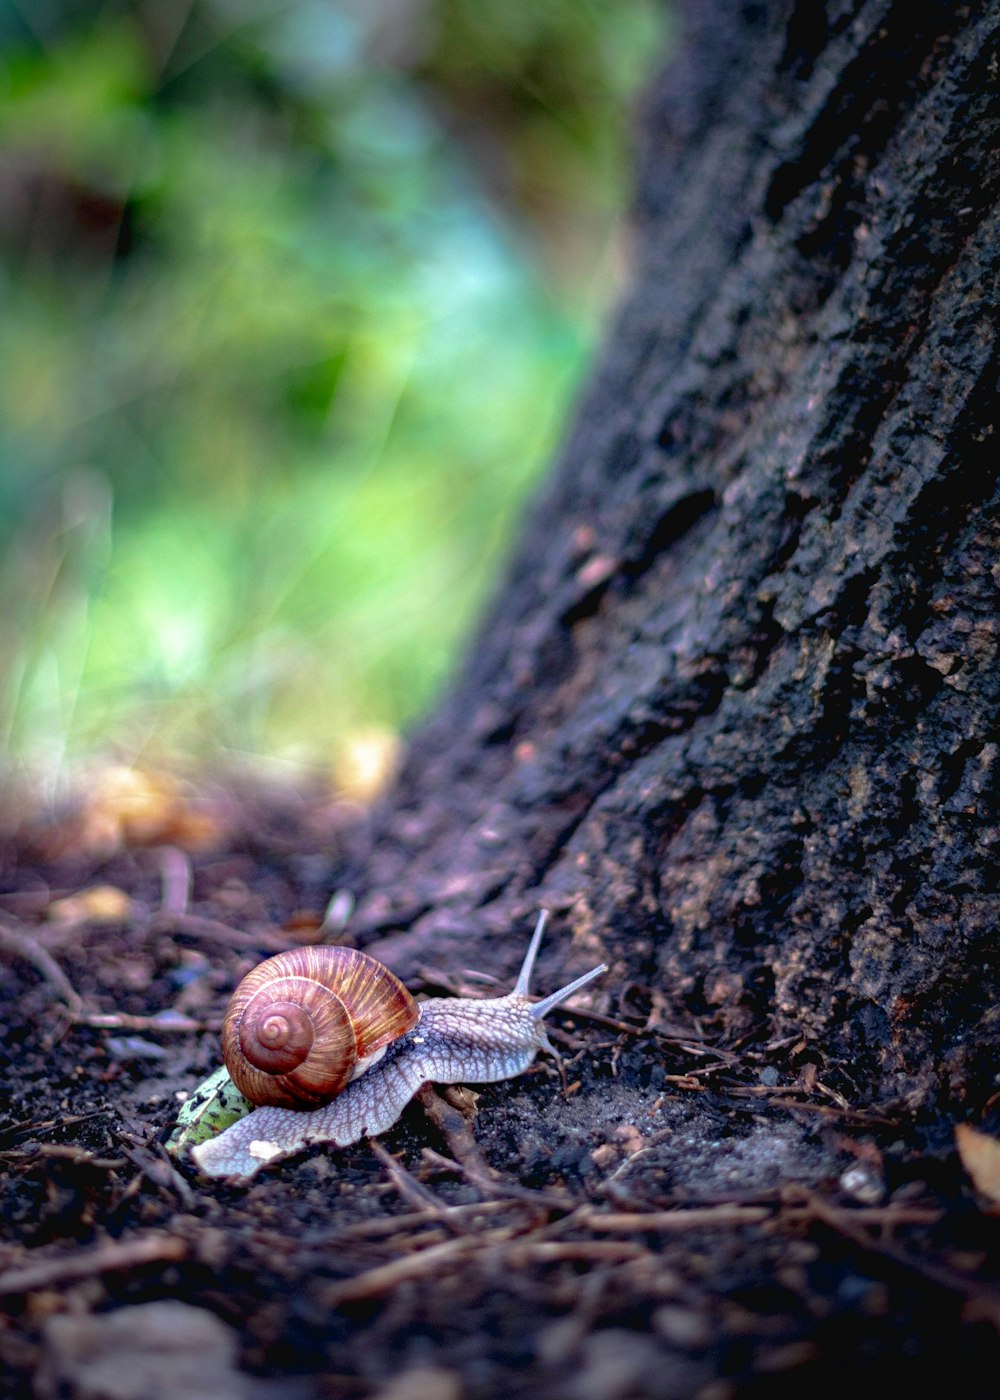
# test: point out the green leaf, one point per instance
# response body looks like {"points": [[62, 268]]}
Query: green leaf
{"points": [[215, 1104]]}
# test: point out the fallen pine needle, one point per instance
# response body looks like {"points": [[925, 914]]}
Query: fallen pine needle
{"points": [[106, 1258], [694, 1218], [374, 1282]]}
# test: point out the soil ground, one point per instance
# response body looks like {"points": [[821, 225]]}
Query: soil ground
{"points": [[667, 1218]]}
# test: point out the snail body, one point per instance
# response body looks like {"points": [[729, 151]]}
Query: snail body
{"points": [[451, 1041]]}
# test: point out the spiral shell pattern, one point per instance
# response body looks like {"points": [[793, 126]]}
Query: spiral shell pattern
{"points": [[302, 1024]]}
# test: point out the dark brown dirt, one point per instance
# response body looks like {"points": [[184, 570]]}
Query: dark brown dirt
{"points": [[681, 1218]]}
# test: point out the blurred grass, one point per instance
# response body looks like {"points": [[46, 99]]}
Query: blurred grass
{"points": [[296, 295]]}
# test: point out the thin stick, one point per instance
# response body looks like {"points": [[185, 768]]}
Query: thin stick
{"points": [[63, 1151], [214, 931], [562, 1251], [411, 1190], [176, 880], [455, 1130], [168, 1022], [384, 1277], [393, 1224], [22, 945], [843, 1222], [107, 1258], [469, 1158], [671, 1221], [42, 1125]]}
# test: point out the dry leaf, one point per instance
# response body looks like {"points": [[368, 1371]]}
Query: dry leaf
{"points": [[980, 1156]]}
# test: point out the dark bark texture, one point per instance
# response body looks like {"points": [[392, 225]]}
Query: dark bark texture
{"points": [[734, 714]]}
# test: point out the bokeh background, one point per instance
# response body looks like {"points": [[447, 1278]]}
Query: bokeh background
{"points": [[296, 296]]}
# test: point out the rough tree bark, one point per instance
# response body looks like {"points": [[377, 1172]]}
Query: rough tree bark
{"points": [[734, 713]]}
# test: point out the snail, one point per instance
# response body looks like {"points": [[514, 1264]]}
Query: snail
{"points": [[337, 1034]]}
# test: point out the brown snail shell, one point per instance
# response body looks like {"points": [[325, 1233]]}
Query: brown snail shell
{"points": [[302, 1024]]}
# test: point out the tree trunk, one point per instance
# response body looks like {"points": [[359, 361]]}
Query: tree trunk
{"points": [[733, 716]]}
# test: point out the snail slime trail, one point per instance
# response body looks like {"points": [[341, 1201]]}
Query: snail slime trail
{"points": [[374, 1070]]}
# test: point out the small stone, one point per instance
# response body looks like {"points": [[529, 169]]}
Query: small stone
{"points": [[683, 1328], [616, 1364], [864, 1183], [154, 1351], [629, 1136]]}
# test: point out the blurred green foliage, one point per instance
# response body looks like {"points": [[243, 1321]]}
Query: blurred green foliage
{"points": [[295, 293]]}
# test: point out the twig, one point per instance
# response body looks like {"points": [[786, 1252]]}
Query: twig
{"points": [[776, 1100], [384, 1277], [168, 1021], [22, 945], [843, 1221], [107, 1258], [455, 1130], [268, 938], [515, 1252], [838, 1099], [562, 1251], [470, 1160], [683, 1043], [156, 1167], [176, 879], [393, 1224], [213, 931], [411, 1191], [64, 1151], [30, 1125], [670, 1221]]}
